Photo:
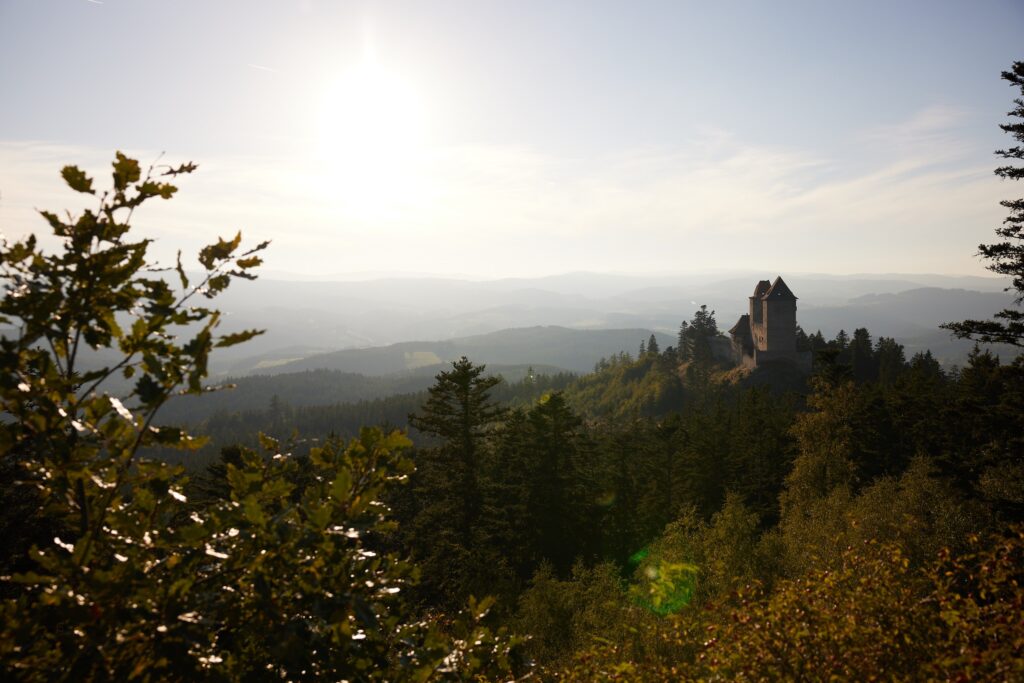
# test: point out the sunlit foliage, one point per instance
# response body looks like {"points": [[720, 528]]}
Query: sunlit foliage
{"points": [[128, 579]]}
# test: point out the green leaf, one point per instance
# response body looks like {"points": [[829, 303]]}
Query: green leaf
{"points": [[253, 511], [216, 285], [317, 457], [77, 180], [148, 391], [237, 338], [181, 272], [250, 262], [342, 484], [126, 171], [396, 440], [59, 227], [167, 435], [268, 443], [184, 168], [153, 189], [222, 249]]}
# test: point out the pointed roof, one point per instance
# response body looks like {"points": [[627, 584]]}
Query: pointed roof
{"points": [[762, 287], [740, 333], [742, 325], [779, 290]]}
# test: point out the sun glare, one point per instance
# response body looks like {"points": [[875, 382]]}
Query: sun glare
{"points": [[372, 137]]}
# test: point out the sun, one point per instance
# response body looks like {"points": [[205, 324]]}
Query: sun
{"points": [[373, 133]]}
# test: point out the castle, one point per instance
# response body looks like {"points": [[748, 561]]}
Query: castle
{"points": [[767, 334]]}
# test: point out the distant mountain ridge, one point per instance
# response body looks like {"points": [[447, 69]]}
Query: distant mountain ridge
{"points": [[304, 318], [912, 317]]}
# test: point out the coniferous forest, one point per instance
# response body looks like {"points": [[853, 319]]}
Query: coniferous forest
{"points": [[668, 516]]}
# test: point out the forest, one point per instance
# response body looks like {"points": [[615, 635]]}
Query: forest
{"points": [[665, 517]]}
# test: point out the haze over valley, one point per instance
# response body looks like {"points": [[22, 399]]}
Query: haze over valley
{"points": [[306, 319]]}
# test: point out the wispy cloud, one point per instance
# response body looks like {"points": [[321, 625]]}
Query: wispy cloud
{"points": [[913, 200], [260, 67]]}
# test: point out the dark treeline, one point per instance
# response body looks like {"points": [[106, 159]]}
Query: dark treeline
{"points": [[309, 423], [308, 388], [320, 387]]}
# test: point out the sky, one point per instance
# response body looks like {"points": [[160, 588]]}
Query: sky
{"points": [[528, 138]]}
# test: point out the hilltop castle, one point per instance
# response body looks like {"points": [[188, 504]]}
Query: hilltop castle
{"points": [[767, 334]]}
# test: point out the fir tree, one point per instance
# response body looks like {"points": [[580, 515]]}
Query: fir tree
{"points": [[1006, 257], [445, 532], [652, 345]]}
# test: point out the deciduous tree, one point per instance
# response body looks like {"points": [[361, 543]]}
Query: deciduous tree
{"points": [[272, 578]]}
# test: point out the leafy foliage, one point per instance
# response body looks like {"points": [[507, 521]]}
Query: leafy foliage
{"points": [[274, 578], [875, 617], [76, 447]]}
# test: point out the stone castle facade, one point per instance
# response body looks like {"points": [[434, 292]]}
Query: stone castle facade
{"points": [[767, 333]]}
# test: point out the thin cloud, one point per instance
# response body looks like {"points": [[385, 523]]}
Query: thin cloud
{"points": [[517, 211], [260, 67]]}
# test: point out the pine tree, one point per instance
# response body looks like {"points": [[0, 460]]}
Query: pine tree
{"points": [[803, 342], [683, 345], [459, 412], [446, 533], [1005, 257], [890, 360], [652, 345], [556, 510], [695, 342], [862, 356]]}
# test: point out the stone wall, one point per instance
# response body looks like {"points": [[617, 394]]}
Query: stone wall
{"points": [[780, 326]]}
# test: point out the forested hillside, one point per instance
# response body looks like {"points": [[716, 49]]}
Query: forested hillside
{"points": [[617, 514], [303, 418], [318, 388], [615, 538]]}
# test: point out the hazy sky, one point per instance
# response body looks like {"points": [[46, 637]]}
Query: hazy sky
{"points": [[527, 138]]}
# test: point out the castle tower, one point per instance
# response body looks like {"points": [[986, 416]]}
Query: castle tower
{"points": [[779, 315], [767, 334], [757, 332], [755, 301]]}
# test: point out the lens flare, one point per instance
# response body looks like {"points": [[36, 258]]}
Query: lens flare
{"points": [[663, 587]]}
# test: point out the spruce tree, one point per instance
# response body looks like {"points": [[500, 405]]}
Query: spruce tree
{"points": [[683, 344], [862, 355], [446, 533], [556, 511], [652, 345], [695, 342], [1007, 256]]}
